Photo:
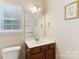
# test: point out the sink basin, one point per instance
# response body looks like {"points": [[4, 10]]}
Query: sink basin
{"points": [[32, 43]]}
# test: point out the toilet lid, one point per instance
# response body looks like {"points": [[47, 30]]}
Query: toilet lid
{"points": [[11, 48]]}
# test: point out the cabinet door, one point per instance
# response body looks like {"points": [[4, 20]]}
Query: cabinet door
{"points": [[50, 54], [38, 56]]}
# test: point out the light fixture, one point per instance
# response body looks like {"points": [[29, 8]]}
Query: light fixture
{"points": [[36, 9]]}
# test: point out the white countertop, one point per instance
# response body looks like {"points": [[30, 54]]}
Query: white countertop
{"points": [[32, 43]]}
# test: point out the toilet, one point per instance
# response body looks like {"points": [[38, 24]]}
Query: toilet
{"points": [[11, 52]]}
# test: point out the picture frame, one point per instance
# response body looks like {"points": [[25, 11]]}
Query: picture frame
{"points": [[72, 10]]}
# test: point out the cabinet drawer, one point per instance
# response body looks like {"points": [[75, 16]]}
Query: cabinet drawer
{"points": [[45, 48], [51, 45], [35, 50]]}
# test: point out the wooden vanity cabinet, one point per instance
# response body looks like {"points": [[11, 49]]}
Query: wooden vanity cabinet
{"points": [[38, 56], [41, 52], [50, 54]]}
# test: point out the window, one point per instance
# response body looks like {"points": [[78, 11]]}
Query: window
{"points": [[10, 17]]}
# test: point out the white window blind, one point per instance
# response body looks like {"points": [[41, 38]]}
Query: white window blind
{"points": [[10, 18]]}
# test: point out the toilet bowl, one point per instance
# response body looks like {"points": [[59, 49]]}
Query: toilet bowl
{"points": [[11, 52]]}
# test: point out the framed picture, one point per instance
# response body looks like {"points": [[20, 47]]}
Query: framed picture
{"points": [[72, 10]]}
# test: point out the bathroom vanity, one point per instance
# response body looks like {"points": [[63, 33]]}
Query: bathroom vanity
{"points": [[43, 49]]}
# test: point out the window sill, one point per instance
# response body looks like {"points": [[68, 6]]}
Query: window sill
{"points": [[11, 31]]}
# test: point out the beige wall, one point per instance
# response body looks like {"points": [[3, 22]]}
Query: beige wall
{"points": [[66, 32]]}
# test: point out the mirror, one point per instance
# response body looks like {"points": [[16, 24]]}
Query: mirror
{"points": [[34, 25]]}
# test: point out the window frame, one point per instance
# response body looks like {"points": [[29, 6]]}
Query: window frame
{"points": [[17, 30]]}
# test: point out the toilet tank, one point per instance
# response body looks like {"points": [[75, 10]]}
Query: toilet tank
{"points": [[11, 52]]}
